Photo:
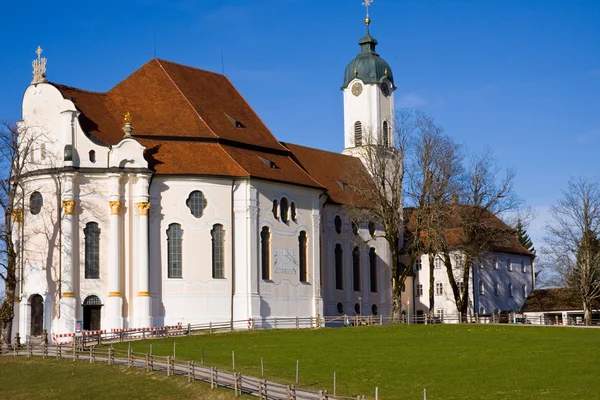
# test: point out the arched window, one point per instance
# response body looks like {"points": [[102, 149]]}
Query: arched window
{"points": [[218, 251], [36, 201], [302, 256], [337, 224], [374, 309], [275, 209], [196, 202], [357, 134], [373, 269], [284, 210], [265, 252], [92, 250], [356, 269], [92, 156], [481, 310], [481, 287], [386, 134], [174, 251], [357, 308], [339, 262], [91, 313]]}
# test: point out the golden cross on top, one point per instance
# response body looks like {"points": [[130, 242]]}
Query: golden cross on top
{"points": [[39, 67], [367, 3]]}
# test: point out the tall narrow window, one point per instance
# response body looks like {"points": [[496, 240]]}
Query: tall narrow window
{"points": [[357, 134], [174, 251], [92, 250], [524, 287], [92, 156], [418, 265], [386, 134], [496, 289], [339, 274], [283, 205], [510, 290], [481, 287], [36, 201], [218, 251], [523, 267], [294, 212], [373, 269], [356, 269], [460, 287], [265, 252], [509, 265], [43, 151], [420, 290], [302, 256], [437, 263]]}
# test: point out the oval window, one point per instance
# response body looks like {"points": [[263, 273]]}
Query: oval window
{"points": [[196, 202], [36, 201], [375, 310], [92, 156], [337, 223], [357, 308], [340, 308]]}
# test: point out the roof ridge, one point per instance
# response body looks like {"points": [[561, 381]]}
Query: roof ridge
{"points": [[76, 88], [316, 149], [160, 60], [185, 97]]}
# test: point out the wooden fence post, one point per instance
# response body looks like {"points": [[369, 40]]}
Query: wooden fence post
{"points": [[189, 374], [293, 393], [91, 356], [45, 350], [235, 384], [275, 322], [147, 362], [168, 365], [210, 328], [297, 323], [189, 329], [59, 353]]}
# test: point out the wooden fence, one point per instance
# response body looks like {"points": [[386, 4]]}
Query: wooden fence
{"points": [[240, 384]]}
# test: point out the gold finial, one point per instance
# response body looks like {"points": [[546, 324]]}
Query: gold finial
{"points": [[385, 72], [355, 71], [367, 3], [127, 128], [39, 68]]}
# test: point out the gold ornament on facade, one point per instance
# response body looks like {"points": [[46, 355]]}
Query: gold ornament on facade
{"points": [[114, 294], [17, 299], [144, 294], [143, 207], [39, 68], [17, 215], [127, 128], [68, 294], [68, 206], [115, 207]]}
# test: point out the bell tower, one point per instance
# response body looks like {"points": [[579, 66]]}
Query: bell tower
{"points": [[368, 98]]}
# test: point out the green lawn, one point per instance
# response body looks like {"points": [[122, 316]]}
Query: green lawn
{"points": [[450, 361], [35, 378]]}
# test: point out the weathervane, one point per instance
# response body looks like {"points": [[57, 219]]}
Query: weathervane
{"points": [[367, 3], [127, 128], [39, 68]]}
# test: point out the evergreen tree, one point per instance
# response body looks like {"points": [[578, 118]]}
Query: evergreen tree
{"points": [[524, 238]]}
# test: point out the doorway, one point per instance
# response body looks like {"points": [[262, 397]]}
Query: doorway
{"points": [[37, 315], [91, 313]]}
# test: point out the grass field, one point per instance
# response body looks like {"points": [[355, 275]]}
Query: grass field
{"points": [[35, 378], [450, 361]]}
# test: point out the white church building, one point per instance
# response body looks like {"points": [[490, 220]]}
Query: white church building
{"points": [[167, 200]]}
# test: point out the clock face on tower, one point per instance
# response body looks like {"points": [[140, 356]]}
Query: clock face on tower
{"points": [[357, 89], [385, 88]]}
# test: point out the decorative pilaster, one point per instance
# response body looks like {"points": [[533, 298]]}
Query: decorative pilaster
{"points": [[143, 300], [114, 302], [67, 298], [316, 260]]}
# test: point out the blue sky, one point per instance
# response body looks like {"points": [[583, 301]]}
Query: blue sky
{"points": [[520, 77]]}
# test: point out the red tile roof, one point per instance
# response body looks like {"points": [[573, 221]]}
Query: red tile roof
{"points": [[333, 171], [191, 121]]}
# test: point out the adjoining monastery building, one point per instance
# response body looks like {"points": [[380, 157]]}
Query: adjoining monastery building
{"points": [[167, 200]]}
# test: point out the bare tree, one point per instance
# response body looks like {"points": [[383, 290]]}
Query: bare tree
{"points": [[379, 190], [572, 245], [477, 228], [15, 152], [433, 174]]}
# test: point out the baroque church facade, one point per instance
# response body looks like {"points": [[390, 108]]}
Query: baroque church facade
{"points": [[167, 200]]}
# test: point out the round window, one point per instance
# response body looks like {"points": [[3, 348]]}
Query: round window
{"points": [[36, 201], [375, 310], [357, 308], [340, 308]]}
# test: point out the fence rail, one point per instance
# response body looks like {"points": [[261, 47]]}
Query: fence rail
{"points": [[241, 384], [121, 335]]}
